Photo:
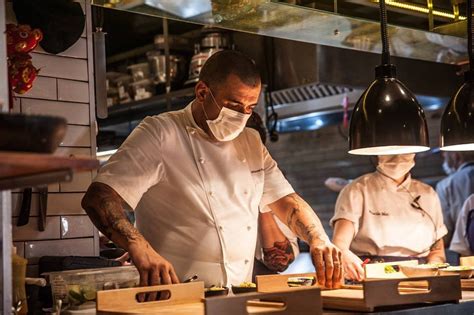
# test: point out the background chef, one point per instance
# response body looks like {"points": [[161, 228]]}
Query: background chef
{"points": [[386, 215]]}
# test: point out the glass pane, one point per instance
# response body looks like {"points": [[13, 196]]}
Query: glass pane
{"points": [[305, 24]]}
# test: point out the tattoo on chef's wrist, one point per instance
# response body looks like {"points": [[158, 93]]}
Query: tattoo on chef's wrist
{"points": [[278, 257]]}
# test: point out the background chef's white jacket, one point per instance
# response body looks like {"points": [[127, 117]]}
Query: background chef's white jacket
{"points": [[385, 223], [196, 201], [453, 192], [459, 243]]}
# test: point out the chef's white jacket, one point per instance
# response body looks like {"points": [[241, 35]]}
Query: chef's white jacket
{"points": [[385, 223], [459, 243], [453, 192], [196, 201]]}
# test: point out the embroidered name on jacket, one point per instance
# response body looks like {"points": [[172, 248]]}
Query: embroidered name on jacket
{"points": [[382, 213]]}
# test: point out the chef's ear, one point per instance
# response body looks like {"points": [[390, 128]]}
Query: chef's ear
{"points": [[201, 91]]}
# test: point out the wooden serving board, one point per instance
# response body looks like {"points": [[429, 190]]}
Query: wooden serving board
{"points": [[377, 270], [188, 299], [374, 293]]}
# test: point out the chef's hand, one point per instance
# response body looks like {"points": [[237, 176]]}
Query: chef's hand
{"points": [[352, 266], [153, 268], [328, 263]]}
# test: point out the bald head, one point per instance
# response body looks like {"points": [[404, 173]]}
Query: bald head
{"points": [[222, 64]]}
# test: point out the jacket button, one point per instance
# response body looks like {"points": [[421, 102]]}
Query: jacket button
{"points": [[193, 131], [249, 227], [244, 160], [202, 160]]}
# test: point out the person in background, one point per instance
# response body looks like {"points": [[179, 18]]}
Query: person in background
{"points": [[388, 216], [463, 237], [456, 188], [197, 180]]}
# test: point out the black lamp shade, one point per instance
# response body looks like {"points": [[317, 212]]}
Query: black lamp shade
{"points": [[457, 123], [388, 119]]}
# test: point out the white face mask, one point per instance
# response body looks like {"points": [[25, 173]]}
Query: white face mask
{"points": [[228, 125], [448, 169], [396, 166]]}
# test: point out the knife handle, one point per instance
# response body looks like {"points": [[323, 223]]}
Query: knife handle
{"points": [[25, 207], [43, 204]]}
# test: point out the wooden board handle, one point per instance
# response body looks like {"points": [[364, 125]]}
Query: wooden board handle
{"points": [[301, 302], [386, 291], [180, 293]]}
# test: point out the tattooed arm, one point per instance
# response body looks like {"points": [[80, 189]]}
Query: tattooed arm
{"points": [[277, 250], [436, 254], [304, 222], [106, 210]]}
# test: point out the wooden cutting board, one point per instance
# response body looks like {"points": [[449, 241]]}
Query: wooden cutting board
{"points": [[188, 299], [374, 293]]}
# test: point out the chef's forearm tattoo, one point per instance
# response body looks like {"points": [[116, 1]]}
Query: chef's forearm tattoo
{"points": [[105, 209], [278, 257], [303, 221]]}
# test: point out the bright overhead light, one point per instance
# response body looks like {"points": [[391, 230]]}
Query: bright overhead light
{"points": [[387, 118], [422, 9], [457, 122]]}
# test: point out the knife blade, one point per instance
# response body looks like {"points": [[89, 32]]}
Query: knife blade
{"points": [[42, 207], [24, 217]]}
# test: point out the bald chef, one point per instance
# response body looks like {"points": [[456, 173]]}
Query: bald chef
{"points": [[196, 179]]}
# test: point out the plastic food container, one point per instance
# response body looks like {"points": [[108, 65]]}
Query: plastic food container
{"points": [[139, 71], [77, 287]]}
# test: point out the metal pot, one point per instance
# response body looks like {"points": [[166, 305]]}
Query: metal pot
{"points": [[157, 63], [217, 40], [197, 61]]}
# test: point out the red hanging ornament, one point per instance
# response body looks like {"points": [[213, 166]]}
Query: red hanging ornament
{"points": [[21, 40]]}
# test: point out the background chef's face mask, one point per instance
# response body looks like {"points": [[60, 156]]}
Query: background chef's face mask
{"points": [[396, 166], [228, 125]]}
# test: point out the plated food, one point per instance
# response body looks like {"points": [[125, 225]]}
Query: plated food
{"points": [[216, 291], [301, 281], [244, 287], [419, 270], [464, 272]]}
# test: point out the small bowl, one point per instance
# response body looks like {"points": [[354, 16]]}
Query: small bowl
{"points": [[463, 272], [216, 292], [238, 290], [419, 271]]}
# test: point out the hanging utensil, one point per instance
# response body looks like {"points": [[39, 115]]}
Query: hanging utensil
{"points": [[42, 207], [25, 209]]}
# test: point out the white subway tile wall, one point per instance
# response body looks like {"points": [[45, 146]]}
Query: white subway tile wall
{"points": [[30, 231], [63, 88], [61, 67], [76, 226], [43, 88], [77, 136], [66, 247], [73, 91]]}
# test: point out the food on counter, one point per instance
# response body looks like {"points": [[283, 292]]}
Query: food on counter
{"points": [[391, 269], [420, 270], [247, 285], [215, 291], [301, 281], [244, 287], [79, 294], [464, 272]]}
